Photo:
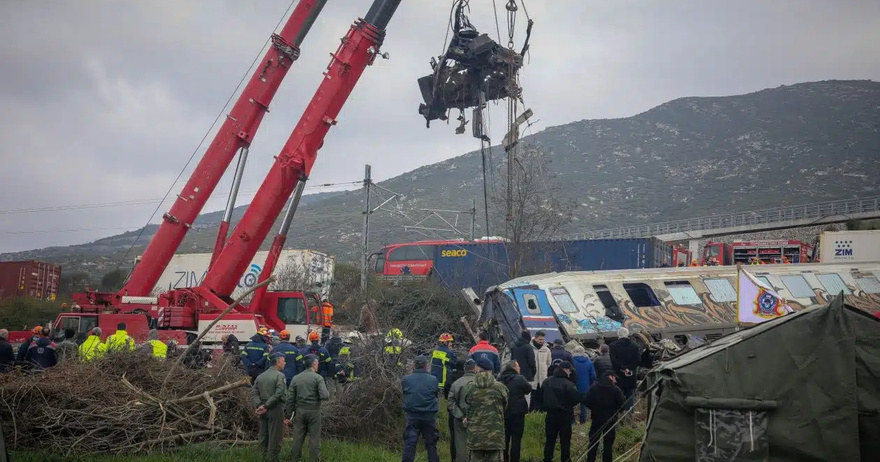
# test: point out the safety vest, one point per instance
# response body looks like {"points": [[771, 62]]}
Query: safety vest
{"points": [[444, 363], [92, 348], [160, 350], [327, 315], [120, 341]]}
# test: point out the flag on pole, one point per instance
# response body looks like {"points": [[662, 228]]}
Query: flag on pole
{"points": [[756, 302]]}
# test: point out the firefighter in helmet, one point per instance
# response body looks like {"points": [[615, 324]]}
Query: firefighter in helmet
{"points": [[443, 359], [255, 355]]}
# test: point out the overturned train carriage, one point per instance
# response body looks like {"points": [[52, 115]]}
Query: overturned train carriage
{"points": [[671, 303]]}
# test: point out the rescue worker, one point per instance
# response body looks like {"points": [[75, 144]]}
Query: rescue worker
{"points": [[326, 320], [303, 402], [267, 395], [345, 372], [292, 356], [694, 263], [93, 347], [324, 360], [420, 400], [41, 353], [442, 359], [518, 389], [484, 350], [157, 348], [23, 348], [67, 348], [457, 409], [232, 348], [120, 340], [255, 354], [7, 358], [393, 348], [486, 399], [560, 398]]}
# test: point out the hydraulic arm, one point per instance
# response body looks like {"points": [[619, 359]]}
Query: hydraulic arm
{"points": [[236, 133], [294, 163]]}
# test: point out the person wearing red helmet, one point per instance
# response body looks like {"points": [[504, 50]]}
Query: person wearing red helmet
{"points": [[442, 359], [292, 356], [315, 348]]}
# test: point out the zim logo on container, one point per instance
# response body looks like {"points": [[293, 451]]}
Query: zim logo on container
{"points": [[453, 253], [843, 249]]}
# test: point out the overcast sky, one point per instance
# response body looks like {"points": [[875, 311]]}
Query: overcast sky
{"points": [[102, 102]]}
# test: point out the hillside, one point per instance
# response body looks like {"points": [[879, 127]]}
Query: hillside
{"points": [[689, 157]]}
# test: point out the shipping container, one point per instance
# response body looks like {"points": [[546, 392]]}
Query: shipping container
{"points": [[849, 246], [480, 266], [306, 270], [29, 278]]}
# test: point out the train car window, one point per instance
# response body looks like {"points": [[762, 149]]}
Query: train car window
{"points": [[683, 293], [722, 290], [566, 304], [797, 286], [611, 309], [765, 281], [869, 284], [833, 284], [532, 304], [641, 294]]}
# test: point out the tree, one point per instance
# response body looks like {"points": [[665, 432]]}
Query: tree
{"points": [[73, 282], [538, 211], [113, 280]]}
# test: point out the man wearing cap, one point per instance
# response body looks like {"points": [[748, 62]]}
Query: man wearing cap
{"points": [[292, 355], [267, 395], [486, 399], [560, 397], [304, 396], [457, 408], [420, 400]]}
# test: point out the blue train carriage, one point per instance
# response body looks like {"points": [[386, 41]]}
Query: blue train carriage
{"points": [[671, 303]]}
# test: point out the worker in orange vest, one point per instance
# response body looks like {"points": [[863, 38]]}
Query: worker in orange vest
{"points": [[326, 320], [694, 263]]}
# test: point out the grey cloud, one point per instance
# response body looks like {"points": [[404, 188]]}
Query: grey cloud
{"points": [[104, 101]]}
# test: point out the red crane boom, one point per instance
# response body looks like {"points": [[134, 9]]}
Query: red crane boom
{"points": [[294, 163], [236, 133]]}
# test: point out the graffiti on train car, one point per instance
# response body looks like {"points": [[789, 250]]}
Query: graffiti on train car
{"points": [[858, 298], [669, 314]]}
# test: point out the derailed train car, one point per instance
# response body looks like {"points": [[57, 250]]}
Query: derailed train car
{"points": [[672, 303]]}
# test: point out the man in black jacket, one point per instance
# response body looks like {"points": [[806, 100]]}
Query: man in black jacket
{"points": [[517, 408], [524, 354], [560, 397], [602, 363], [7, 357], [625, 357], [604, 400]]}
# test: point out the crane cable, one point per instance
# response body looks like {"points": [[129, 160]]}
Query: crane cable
{"points": [[205, 137]]}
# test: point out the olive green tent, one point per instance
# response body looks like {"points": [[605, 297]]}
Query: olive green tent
{"points": [[804, 387]]}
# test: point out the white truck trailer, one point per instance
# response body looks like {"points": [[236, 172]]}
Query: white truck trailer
{"points": [[849, 246]]}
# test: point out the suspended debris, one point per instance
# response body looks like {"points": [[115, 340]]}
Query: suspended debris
{"points": [[474, 69]]}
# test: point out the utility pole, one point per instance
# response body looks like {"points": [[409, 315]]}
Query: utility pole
{"points": [[473, 220], [367, 212]]}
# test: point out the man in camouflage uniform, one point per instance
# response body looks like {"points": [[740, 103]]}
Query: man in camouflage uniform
{"points": [[486, 399]]}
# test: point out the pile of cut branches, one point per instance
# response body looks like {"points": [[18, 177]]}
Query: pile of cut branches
{"points": [[118, 404]]}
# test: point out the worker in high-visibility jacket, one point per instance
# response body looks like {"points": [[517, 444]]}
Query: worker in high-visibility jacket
{"points": [[442, 359], [326, 321], [157, 348], [120, 340], [92, 347], [393, 347]]}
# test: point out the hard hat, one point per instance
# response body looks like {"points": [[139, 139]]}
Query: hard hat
{"points": [[285, 335], [314, 336], [263, 331], [445, 337], [394, 333], [37, 330], [353, 335]]}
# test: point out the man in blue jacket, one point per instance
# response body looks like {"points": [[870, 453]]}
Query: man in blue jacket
{"points": [[255, 355], [292, 356], [420, 401], [586, 377]]}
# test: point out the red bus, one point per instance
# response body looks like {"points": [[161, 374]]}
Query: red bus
{"points": [[411, 259]]}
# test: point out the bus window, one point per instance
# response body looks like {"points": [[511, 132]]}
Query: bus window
{"points": [[641, 295], [611, 309], [291, 310]]}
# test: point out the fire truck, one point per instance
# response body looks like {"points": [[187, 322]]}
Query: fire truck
{"points": [[187, 310], [756, 252]]}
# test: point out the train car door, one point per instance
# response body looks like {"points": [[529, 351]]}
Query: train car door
{"points": [[536, 313]]}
